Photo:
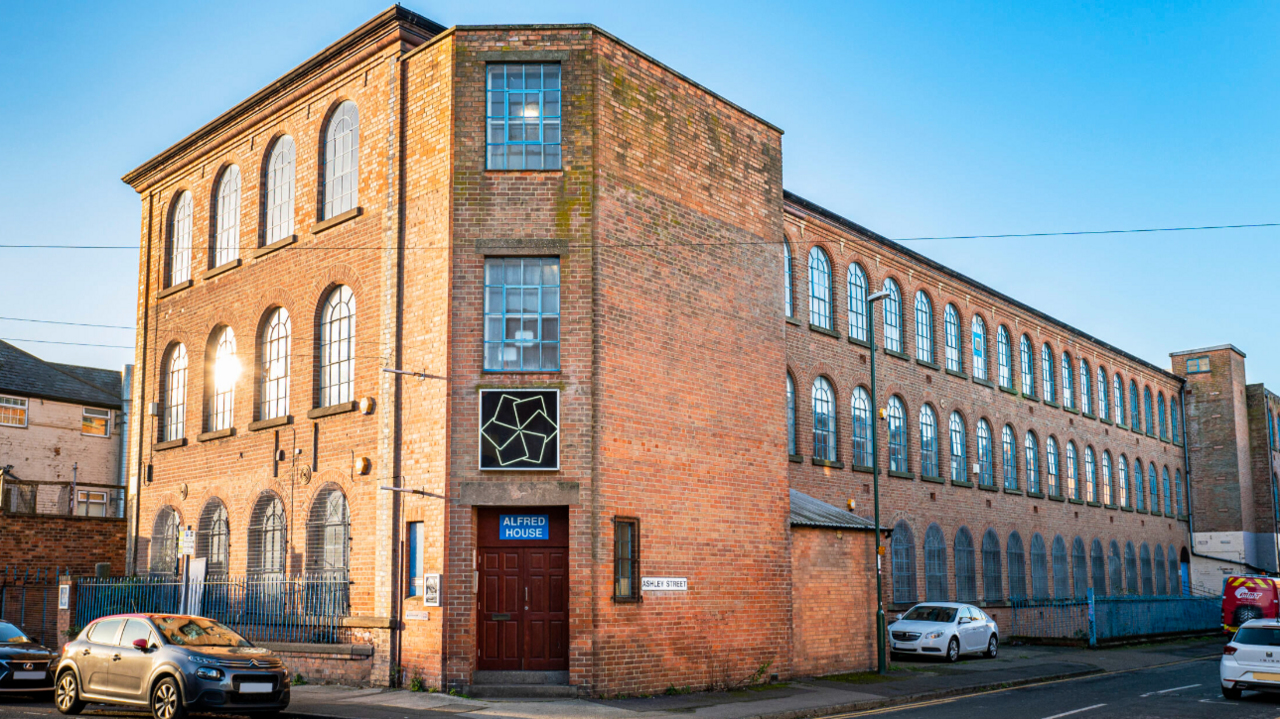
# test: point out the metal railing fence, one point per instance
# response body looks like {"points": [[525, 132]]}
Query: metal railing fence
{"points": [[29, 600], [1095, 619], [308, 608]]}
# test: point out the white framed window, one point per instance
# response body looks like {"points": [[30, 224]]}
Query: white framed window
{"points": [[180, 239], [978, 335], [1068, 383], [859, 322], [861, 407], [820, 314], [1028, 362], [337, 347], [959, 471], [892, 316], [924, 327], [91, 503], [281, 178], [1046, 372], [342, 161], [175, 395], [227, 225], [223, 373], [951, 322], [1086, 394], [13, 411], [824, 420], [1032, 462], [897, 420], [95, 422], [1004, 358], [928, 442], [1104, 410], [276, 337]]}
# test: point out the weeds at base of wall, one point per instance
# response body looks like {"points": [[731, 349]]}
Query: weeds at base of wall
{"points": [[298, 680]]}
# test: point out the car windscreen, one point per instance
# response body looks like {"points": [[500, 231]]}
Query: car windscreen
{"points": [[197, 632], [926, 613], [10, 634], [1260, 636]]}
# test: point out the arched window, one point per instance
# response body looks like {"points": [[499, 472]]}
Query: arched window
{"points": [[174, 397], [342, 161], [1028, 362], [1051, 466], [1098, 565], [1068, 383], [1009, 457], [791, 415], [820, 314], [329, 535], [1004, 358], [788, 300], [1090, 476], [1130, 569], [1079, 572], [1104, 409], [164, 542], [952, 329], [824, 420], [1153, 481], [280, 183], [1039, 568], [1158, 567], [1138, 495], [1135, 411], [1108, 489], [213, 537], [1061, 578], [1160, 417], [1118, 390], [220, 379], [892, 316], [268, 547], [966, 579], [935, 565], [1086, 395], [1032, 462], [928, 442], [1150, 415], [903, 548], [1177, 488], [227, 220], [859, 319], [986, 474], [978, 332], [992, 583], [180, 239], [276, 337], [337, 347], [1122, 470], [897, 413], [862, 448], [924, 327], [958, 443], [1168, 494], [1173, 419], [1175, 572], [1115, 570], [1017, 567], [1144, 558], [1046, 373]]}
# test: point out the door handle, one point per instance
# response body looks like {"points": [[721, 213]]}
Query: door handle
{"points": [[115, 657], [526, 594], [86, 652]]}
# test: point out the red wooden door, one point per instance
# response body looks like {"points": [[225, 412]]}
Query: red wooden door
{"points": [[501, 609], [546, 616]]}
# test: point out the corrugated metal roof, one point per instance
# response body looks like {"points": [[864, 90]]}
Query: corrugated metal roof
{"points": [[809, 511]]}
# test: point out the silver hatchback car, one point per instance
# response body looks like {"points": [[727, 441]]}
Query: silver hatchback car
{"points": [[171, 664]]}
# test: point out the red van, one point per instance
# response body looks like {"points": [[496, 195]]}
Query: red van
{"points": [[1246, 597]]}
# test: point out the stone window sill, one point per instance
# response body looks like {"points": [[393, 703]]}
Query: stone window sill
{"points": [[1012, 490], [824, 331], [216, 434], [1057, 498], [1157, 513], [340, 408], [901, 475], [1072, 410], [862, 468], [1121, 425], [935, 480], [984, 382], [1141, 510], [1104, 420], [988, 488], [269, 423], [1073, 500], [860, 343], [899, 355], [827, 463], [954, 373], [930, 365], [961, 483], [173, 289], [223, 268], [277, 245], [1009, 390], [171, 444], [1053, 404], [1031, 397], [1110, 506], [336, 220], [1036, 495], [1088, 415], [1182, 517], [1126, 509], [1094, 504]]}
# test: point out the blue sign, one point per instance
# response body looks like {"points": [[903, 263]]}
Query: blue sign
{"points": [[524, 526]]}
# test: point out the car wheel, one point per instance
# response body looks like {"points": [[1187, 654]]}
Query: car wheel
{"points": [[166, 700], [953, 649], [1231, 693], [66, 694], [993, 646]]}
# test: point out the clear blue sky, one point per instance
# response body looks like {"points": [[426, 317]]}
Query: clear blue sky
{"points": [[914, 119]]}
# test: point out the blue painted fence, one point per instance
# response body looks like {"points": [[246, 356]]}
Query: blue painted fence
{"points": [[1093, 619], [29, 600]]}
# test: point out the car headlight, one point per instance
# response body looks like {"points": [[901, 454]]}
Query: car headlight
{"points": [[202, 659], [933, 635], [209, 673]]}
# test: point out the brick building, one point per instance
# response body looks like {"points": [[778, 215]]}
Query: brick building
{"points": [[485, 319]]}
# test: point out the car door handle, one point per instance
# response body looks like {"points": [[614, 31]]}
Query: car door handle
{"points": [[86, 652], [115, 657]]}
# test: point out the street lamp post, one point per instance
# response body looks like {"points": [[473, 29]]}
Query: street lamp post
{"points": [[881, 665]]}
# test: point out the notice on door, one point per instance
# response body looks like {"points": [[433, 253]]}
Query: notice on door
{"points": [[664, 584], [524, 526]]}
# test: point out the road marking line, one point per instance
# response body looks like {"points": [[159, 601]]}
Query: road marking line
{"points": [[1075, 711], [1166, 691]]}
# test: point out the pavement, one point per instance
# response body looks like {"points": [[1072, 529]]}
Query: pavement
{"points": [[908, 682]]}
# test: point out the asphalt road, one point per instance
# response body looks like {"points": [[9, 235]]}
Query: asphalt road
{"points": [[1180, 691]]}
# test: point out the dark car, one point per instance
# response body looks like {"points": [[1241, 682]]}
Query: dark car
{"points": [[171, 664], [25, 664]]}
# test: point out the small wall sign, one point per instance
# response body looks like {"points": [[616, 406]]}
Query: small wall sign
{"points": [[431, 590], [524, 526], [187, 542], [64, 596], [419, 616], [664, 584]]}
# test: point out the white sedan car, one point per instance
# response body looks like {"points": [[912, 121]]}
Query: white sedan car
{"points": [[1251, 660], [944, 629]]}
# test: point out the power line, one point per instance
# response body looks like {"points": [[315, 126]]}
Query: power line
{"points": [[1091, 232], [77, 344], [72, 324]]}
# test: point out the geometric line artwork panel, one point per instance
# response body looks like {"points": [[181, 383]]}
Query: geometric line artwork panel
{"points": [[519, 429]]}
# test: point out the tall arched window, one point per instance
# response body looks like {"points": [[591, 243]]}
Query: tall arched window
{"points": [[1158, 567], [1149, 414], [180, 239], [329, 534], [958, 444], [220, 379], [1177, 488], [1098, 565], [1115, 569], [1039, 568], [1027, 361], [924, 327], [1104, 410], [1168, 494], [213, 537], [1031, 461], [892, 316], [1061, 579], [992, 583], [337, 347], [1079, 571], [1175, 573], [791, 415], [1122, 475], [1153, 481], [277, 334], [342, 161], [862, 449], [1004, 358], [1160, 417], [902, 547], [1144, 559], [859, 320], [1173, 418], [1108, 489], [897, 414], [1068, 383], [280, 183], [966, 577], [928, 442], [1046, 373], [1130, 569], [824, 420], [1051, 466], [952, 330], [935, 565], [1138, 495], [820, 314], [1135, 411], [978, 336], [1086, 396], [788, 299], [174, 396], [268, 547], [1009, 457], [1073, 475], [1017, 567], [227, 219], [1117, 386], [164, 542], [986, 473], [1090, 476]]}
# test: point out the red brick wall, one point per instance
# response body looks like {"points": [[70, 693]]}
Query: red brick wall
{"points": [[833, 595], [1218, 425], [74, 544]]}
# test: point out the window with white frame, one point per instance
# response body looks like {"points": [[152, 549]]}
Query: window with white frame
{"points": [[1028, 364], [91, 503], [959, 471], [95, 422], [859, 320], [1009, 455], [924, 327], [791, 415], [1104, 410], [1108, 492], [180, 239], [175, 395], [227, 219], [1051, 466], [1046, 373], [1068, 383], [928, 442], [986, 472], [820, 314], [892, 316], [824, 420], [13, 411], [1032, 462], [1118, 394], [952, 330], [1086, 396], [281, 178], [1122, 477], [222, 376], [978, 337], [337, 347], [342, 161], [1004, 358], [523, 116], [276, 338], [1090, 476], [897, 415], [788, 300], [1073, 475], [861, 406]]}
